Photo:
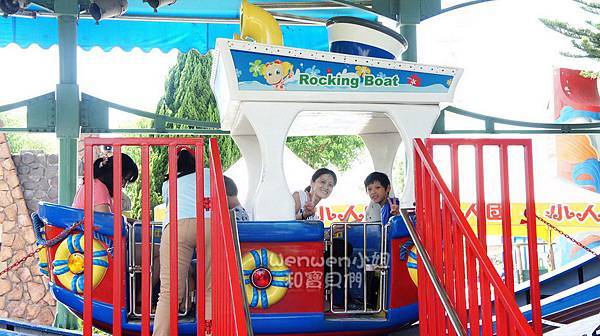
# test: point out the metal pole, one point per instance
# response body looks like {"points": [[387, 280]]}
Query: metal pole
{"points": [[409, 16], [68, 170], [409, 31], [67, 120], [67, 99]]}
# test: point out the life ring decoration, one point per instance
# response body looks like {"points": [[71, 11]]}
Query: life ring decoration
{"points": [[266, 278], [408, 252], [43, 261], [69, 260]]}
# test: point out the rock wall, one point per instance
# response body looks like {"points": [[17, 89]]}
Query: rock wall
{"points": [[38, 174], [23, 290]]}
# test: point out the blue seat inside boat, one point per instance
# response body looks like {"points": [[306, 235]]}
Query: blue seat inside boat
{"points": [[63, 216], [280, 231], [156, 232]]}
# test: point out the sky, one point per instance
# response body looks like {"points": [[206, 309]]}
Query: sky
{"points": [[135, 79], [507, 55]]}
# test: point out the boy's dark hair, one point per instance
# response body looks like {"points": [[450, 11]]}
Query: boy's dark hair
{"points": [[377, 177], [103, 171], [230, 187]]}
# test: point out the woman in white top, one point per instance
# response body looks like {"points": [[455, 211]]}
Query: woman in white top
{"points": [[321, 186], [186, 221]]}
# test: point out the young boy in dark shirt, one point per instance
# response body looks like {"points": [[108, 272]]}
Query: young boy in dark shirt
{"points": [[382, 206]]}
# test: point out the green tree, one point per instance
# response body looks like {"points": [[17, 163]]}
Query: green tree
{"points": [[188, 95], [586, 39], [322, 151]]}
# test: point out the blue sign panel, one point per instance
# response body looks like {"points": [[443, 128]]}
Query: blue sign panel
{"points": [[265, 72]]}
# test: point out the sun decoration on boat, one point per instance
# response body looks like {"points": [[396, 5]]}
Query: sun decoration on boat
{"points": [[362, 70], [266, 278]]}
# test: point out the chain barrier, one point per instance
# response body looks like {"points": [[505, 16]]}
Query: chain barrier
{"points": [[567, 236], [20, 261], [47, 243]]}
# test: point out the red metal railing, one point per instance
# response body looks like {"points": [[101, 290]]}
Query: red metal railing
{"points": [[459, 255], [229, 317], [228, 310]]}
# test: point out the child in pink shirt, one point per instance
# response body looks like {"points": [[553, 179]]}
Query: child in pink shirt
{"points": [[103, 182]]}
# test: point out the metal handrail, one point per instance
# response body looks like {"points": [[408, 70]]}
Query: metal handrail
{"points": [[206, 128], [233, 318], [531, 127], [424, 258], [133, 268]]}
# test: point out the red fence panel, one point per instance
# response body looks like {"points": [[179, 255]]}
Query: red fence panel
{"points": [[485, 303], [228, 303]]}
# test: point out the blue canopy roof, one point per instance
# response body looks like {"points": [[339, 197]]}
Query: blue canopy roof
{"points": [[166, 35]]}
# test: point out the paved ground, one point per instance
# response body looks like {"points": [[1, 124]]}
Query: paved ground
{"points": [[414, 331]]}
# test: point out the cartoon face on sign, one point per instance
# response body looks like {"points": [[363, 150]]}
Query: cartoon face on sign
{"points": [[277, 72]]}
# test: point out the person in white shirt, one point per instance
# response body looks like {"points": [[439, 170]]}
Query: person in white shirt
{"points": [[186, 221]]}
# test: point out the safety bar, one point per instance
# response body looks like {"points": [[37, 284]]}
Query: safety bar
{"points": [[380, 266], [135, 270]]}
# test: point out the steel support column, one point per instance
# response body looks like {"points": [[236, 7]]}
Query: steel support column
{"points": [[409, 16], [67, 120], [409, 31], [67, 99]]}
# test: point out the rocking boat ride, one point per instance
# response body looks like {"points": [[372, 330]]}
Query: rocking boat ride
{"points": [[266, 92], [387, 102]]}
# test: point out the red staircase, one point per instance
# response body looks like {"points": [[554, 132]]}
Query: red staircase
{"points": [[229, 312], [461, 293]]}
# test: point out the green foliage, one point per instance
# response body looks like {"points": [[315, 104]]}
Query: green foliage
{"points": [[322, 151], [23, 141], [585, 39], [134, 190], [187, 95], [589, 74]]}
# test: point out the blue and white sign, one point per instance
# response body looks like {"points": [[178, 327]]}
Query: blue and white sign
{"points": [[267, 72]]}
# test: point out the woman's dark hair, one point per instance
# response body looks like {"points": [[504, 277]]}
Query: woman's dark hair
{"points": [[103, 171], [186, 164], [318, 173]]}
